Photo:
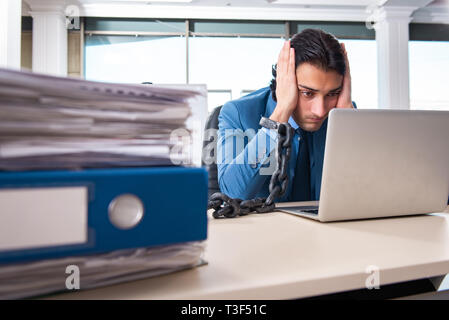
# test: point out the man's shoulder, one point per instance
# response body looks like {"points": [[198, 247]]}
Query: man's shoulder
{"points": [[254, 99], [249, 108]]}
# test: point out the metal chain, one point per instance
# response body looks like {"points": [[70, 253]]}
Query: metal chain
{"points": [[226, 207]]}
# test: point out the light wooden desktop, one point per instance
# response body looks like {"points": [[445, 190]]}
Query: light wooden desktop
{"points": [[282, 256]]}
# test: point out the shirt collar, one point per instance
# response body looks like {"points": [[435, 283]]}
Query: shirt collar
{"points": [[293, 123]]}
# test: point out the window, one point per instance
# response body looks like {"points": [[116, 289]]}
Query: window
{"points": [[239, 65], [429, 69], [233, 58], [135, 59], [362, 55], [429, 66], [135, 50], [341, 30], [217, 98]]}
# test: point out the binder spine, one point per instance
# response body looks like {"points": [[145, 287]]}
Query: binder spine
{"points": [[173, 205]]}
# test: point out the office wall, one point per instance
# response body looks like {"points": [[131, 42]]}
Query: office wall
{"points": [[26, 57], [74, 54], [74, 61]]}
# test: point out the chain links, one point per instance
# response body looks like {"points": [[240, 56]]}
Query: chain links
{"points": [[226, 207]]}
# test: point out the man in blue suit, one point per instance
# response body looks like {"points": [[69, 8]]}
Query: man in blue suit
{"points": [[311, 77]]}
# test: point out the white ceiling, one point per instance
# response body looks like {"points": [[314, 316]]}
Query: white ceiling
{"points": [[319, 10], [251, 3], [246, 3]]}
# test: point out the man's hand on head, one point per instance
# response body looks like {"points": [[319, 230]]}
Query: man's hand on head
{"points": [[286, 87], [344, 99]]}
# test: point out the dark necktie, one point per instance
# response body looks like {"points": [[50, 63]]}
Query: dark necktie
{"points": [[301, 182]]}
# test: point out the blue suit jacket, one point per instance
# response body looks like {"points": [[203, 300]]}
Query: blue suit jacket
{"points": [[243, 148]]}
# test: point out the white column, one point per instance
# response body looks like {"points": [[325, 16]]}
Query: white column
{"points": [[49, 37], [10, 33], [392, 57], [392, 25]]}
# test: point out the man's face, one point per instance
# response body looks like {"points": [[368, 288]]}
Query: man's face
{"points": [[317, 95]]}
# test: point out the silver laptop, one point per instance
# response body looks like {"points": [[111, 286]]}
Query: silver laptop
{"points": [[382, 163]]}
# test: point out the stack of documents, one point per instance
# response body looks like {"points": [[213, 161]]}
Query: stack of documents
{"points": [[88, 174], [54, 123], [86, 272]]}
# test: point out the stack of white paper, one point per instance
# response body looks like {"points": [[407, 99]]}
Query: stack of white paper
{"points": [[87, 272], [49, 122], [53, 123]]}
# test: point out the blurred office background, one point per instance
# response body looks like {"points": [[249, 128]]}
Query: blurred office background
{"points": [[398, 49]]}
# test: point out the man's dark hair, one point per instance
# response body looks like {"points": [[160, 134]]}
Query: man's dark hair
{"points": [[318, 48]]}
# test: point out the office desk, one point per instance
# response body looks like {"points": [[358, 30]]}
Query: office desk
{"points": [[281, 256]]}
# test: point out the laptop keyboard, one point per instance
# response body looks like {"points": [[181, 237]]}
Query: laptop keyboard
{"points": [[314, 211]]}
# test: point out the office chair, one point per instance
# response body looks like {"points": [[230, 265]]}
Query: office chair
{"points": [[211, 123]]}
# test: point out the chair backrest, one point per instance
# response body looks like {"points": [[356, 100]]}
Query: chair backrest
{"points": [[211, 123]]}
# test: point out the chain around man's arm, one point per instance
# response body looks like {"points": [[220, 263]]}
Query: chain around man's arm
{"points": [[226, 207]]}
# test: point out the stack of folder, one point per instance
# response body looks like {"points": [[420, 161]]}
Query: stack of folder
{"points": [[87, 124], [88, 182]]}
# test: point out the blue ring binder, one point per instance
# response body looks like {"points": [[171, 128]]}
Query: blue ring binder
{"points": [[175, 201]]}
